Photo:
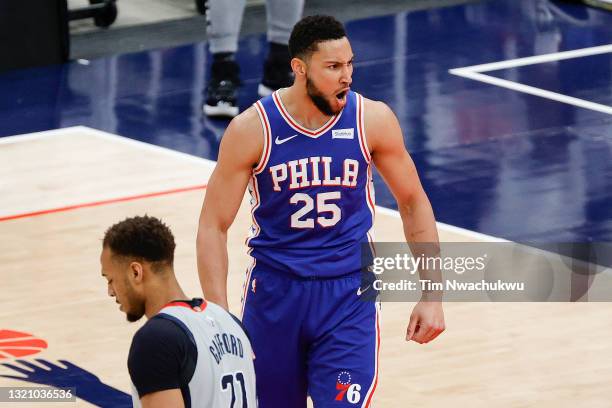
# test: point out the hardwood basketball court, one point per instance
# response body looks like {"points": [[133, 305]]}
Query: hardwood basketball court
{"points": [[61, 189]]}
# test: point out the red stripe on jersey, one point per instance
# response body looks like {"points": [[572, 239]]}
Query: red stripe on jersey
{"points": [[187, 305], [267, 137], [362, 139], [371, 393], [368, 185]]}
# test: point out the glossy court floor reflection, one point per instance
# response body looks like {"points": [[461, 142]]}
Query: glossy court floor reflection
{"points": [[494, 160], [77, 181]]}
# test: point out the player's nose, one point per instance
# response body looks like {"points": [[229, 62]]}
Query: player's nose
{"points": [[346, 77]]}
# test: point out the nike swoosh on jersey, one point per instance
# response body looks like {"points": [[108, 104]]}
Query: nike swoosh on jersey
{"points": [[281, 141], [360, 291]]}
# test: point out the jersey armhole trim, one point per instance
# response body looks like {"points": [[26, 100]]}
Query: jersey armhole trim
{"points": [[363, 143], [237, 320], [267, 133]]}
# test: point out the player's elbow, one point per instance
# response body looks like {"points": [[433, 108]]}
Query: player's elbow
{"points": [[412, 199], [209, 231]]}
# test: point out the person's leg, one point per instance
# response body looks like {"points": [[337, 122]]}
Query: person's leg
{"points": [[343, 360], [224, 20], [282, 15], [273, 311]]}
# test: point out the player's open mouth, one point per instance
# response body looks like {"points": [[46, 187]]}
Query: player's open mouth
{"points": [[341, 96]]}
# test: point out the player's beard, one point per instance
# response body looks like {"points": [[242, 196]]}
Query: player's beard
{"points": [[135, 308], [318, 99]]}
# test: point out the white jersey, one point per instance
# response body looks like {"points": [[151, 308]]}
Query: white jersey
{"points": [[224, 375]]}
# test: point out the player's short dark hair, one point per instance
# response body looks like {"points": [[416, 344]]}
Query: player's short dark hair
{"points": [[142, 237], [310, 31]]}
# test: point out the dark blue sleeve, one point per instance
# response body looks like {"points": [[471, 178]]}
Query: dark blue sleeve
{"points": [[162, 357]]}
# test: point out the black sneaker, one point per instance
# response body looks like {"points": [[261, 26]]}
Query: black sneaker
{"points": [[222, 90], [277, 74]]}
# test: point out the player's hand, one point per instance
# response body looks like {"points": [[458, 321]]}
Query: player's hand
{"points": [[426, 321]]}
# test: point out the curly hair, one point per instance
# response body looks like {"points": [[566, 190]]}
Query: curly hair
{"points": [[310, 31], [142, 237]]}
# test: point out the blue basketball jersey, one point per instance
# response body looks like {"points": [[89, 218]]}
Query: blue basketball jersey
{"points": [[312, 196]]}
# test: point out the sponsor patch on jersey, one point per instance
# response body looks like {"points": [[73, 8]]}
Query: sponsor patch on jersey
{"points": [[343, 133]]}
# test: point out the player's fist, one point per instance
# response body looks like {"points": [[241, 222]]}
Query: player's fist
{"points": [[426, 322]]}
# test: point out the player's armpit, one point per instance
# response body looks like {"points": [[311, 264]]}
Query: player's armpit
{"points": [[163, 399]]}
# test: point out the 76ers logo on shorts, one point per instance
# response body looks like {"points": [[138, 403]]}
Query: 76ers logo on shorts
{"points": [[347, 389]]}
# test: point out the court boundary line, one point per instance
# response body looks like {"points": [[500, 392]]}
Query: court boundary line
{"points": [[213, 163], [188, 157], [102, 202], [36, 135], [490, 239], [200, 160], [447, 227], [475, 72]]}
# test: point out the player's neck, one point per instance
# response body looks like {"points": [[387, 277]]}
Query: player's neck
{"points": [[160, 293], [301, 108]]}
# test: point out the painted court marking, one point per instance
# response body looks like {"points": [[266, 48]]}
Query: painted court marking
{"points": [[88, 132], [475, 72], [179, 155], [17, 344], [42, 193], [102, 202]]}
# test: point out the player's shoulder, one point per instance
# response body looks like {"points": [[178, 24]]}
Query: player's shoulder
{"points": [[243, 140], [220, 313], [379, 121], [244, 136], [157, 330], [161, 356], [376, 110], [160, 335], [245, 121]]}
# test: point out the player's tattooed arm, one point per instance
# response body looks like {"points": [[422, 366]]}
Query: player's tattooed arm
{"points": [[240, 150], [386, 143]]}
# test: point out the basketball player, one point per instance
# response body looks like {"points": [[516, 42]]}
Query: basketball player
{"points": [[306, 154], [189, 352]]}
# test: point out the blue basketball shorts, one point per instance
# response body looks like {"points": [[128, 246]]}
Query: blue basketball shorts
{"points": [[316, 337]]}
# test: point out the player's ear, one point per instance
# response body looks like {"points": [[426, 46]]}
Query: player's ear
{"points": [[136, 272], [298, 66]]}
